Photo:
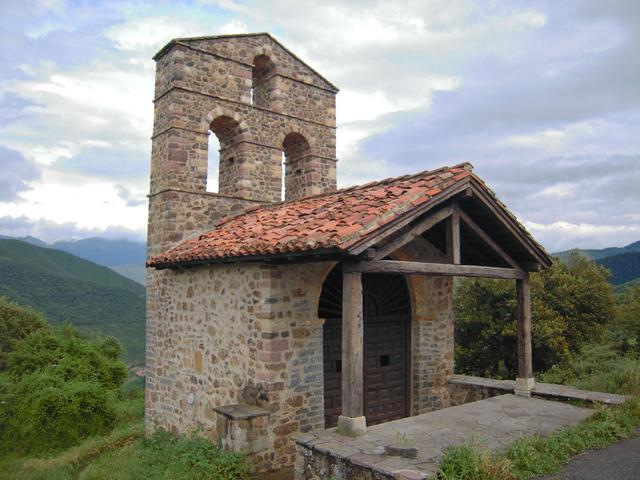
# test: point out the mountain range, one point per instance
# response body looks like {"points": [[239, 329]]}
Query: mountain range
{"points": [[67, 288], [126, 257], [623, 262]]}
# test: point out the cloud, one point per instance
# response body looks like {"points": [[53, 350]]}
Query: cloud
{"points": [[542, 97], [17, 172], [50, 232], [130, 200]]}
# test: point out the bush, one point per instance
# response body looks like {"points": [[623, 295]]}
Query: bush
{"points": [[16, 323], [57, 389], [42, 412], [600, 368], [571, 304], [69, 356]]}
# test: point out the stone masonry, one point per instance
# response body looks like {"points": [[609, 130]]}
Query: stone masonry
{"points": [[219, 332], [246, 337]]}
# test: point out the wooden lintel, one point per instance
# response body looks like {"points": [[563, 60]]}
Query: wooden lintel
{"points": [[444, 269], [352, 345], [487, 239], [413, 232]]}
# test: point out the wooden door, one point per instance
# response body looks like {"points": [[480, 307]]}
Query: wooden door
{"points": [[386, 346]]}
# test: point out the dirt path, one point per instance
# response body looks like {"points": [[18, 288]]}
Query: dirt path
{"points": [[620, 461]]}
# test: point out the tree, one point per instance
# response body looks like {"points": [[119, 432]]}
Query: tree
{"points": [[571, 303], [16, 323], [628, 319]]}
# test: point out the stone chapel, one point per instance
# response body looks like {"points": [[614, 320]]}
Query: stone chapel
{"points": [[279, 305]]}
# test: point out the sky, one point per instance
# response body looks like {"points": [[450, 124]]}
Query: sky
{"points": [[543, 98]]}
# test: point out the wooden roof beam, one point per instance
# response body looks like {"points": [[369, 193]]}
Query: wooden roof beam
{"points": [[442, 269]]}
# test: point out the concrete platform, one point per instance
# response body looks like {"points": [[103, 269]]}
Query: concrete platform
{"points": [[493, 423]]}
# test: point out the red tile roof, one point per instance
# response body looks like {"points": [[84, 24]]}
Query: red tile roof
{"points": [[331, 221]]}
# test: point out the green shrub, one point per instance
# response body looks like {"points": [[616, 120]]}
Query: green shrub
{"points": [[58, 388], [598, 367], [70, 356], [42, 412], [16, 323], [628, 320]]}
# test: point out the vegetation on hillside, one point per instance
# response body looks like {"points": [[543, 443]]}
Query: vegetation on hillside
{"points": [[624, 267], [65, 412], [601, 352], [596, 253], [68, 289], [572, 303]]}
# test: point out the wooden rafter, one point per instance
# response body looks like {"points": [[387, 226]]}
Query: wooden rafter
{"points": [[487, 239], [508, 223], [413, 232]]}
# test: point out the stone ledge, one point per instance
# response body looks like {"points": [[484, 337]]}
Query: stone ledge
{"points": [[468, 380], [241, 411], [542, 390]]}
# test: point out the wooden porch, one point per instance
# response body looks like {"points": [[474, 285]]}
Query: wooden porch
{"points": [[497, 248]]}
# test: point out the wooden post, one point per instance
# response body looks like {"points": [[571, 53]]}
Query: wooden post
{"points": [[524, 382], [352, 421], [453, 236]]}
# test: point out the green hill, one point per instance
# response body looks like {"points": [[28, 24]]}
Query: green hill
{"points": [[624, 267], [596, 253], [68, 288]]}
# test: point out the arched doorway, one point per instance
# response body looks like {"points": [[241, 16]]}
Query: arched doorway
{"points": [[387, 319]]}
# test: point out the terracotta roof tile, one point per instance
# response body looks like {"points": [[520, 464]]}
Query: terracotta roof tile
{"points": [[331, 221]]}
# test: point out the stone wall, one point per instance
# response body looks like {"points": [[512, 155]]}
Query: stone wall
{"points": [[431, 330], [216, 334]]}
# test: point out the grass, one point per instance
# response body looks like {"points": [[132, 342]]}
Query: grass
{"points": [[598, 367], [125, 454], [65, 465], [532, 456], [166, 456]]}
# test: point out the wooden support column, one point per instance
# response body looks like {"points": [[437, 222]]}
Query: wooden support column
{"points": [[352, 421], [525, 382], [453, 236]]}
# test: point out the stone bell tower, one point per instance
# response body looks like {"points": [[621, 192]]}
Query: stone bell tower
{"points": [[261, 102]]}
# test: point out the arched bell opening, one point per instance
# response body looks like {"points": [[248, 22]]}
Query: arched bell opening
{"points": [[387, 327]]}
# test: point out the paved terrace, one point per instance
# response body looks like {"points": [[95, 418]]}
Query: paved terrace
{"points": [[493, 423]]}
